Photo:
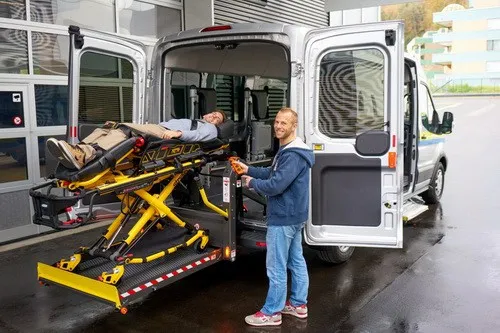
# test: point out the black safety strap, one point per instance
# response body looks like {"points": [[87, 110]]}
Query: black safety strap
{"points": [[194, 124]]}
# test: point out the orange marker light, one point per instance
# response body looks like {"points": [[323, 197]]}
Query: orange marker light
{"points": [[392, 160], [227, 252]]}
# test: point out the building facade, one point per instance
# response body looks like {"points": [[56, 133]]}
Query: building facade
{"points": [[472, 38], [425, 48], [34, 45]]}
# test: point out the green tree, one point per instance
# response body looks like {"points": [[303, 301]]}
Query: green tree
{"points": [[417, 15]]}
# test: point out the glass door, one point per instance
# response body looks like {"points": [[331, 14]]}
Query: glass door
{"points": [[15, 149]]}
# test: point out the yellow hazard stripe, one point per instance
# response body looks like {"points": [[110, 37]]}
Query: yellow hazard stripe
{"points": [[80, 283]]}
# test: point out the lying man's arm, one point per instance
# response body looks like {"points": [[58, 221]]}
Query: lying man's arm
{"points": [[205, 132]]}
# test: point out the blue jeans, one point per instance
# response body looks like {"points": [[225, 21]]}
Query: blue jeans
{"points": [[284, 250]]}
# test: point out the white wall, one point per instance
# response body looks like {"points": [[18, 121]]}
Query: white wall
{"points": [[354, 16]]}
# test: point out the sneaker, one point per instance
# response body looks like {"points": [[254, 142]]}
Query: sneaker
{"points": [[261, 319], [72, 157], [297, 311]]}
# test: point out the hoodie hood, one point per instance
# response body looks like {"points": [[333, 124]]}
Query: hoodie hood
{"points": [[298, 146]]}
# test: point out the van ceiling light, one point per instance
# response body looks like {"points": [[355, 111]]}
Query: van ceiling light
{"points": [[216, 28], [220, 46]]}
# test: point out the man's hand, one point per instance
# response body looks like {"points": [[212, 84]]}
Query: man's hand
{"points": [[246, 180], [243, 166], [109, 124], [171, 134]]}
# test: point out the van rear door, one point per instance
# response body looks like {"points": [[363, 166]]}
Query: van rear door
{"points": [[354, 123], [107, 81]]}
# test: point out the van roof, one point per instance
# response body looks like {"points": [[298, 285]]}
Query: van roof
{"points": [[237, 29]]}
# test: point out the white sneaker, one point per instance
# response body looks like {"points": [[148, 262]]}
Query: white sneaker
{"points": [[261, 319], [296, 311]]}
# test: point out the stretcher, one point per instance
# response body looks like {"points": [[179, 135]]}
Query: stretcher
{"points": [[146, 238]]}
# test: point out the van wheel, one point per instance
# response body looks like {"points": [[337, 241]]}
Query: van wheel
{"points": [[334, 254], [435, 191]]}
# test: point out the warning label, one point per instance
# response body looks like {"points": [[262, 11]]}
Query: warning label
{"points": [[225, 189]]}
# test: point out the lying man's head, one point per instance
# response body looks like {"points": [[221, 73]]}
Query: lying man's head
{"points": [[216, 117]]}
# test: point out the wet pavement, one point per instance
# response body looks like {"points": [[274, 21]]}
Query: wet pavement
{"points": [[445, 279]]}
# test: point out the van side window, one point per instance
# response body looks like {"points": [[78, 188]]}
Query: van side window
{"points": [[351, 93], [428, 114], [106, 89]]}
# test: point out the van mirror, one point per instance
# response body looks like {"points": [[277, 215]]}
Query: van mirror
{"points": [[447, 123]]}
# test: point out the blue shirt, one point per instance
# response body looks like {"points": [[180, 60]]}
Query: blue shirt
{"points": [[204, 132]]}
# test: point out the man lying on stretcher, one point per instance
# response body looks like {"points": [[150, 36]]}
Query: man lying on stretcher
{"points": [[76, 156]]}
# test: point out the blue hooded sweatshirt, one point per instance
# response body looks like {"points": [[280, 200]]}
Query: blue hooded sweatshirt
{"points": [[285, 183]]}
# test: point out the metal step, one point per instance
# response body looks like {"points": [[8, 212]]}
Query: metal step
{"points": [[413, 208], [255, 239]]}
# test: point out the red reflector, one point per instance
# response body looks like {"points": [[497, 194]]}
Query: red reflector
{"points": [[139, 142], [394, 141], [260, 244], [216, 28]]}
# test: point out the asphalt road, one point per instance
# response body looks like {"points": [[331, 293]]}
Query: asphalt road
{"points": [[445, 279]]}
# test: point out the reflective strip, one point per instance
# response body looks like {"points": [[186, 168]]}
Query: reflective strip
{"points": [[166, 276]]}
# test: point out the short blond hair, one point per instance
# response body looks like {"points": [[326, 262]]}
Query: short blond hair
{"points": [[290, 111]]}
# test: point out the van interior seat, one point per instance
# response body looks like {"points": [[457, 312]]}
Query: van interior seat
{"points": [[262, 136], [204, 100]]}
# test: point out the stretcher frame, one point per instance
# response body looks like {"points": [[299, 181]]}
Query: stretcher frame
{"points": [[134, 190]]}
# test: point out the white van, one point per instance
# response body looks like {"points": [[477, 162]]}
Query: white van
{"points": [[364, 108]]}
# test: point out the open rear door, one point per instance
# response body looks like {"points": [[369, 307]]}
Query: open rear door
{"points": [[107, 81], [354, 123]]}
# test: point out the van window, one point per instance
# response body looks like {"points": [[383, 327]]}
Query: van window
{"points": [[428, 115], [106, 89], [351, 92]]}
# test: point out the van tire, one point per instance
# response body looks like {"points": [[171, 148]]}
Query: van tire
{"points": [[334, 254], [436, 187]]}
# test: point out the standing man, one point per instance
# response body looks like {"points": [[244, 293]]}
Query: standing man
{"points": [[286, 185]]}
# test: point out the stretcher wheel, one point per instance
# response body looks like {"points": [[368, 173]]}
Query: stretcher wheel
{"points": [[197, 246]]}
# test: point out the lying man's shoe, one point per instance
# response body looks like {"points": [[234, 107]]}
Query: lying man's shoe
{"points": [[72, 157]]}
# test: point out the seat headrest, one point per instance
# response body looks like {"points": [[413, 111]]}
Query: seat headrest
{"points": [[225, 130], [207, 99], [260, 103]]}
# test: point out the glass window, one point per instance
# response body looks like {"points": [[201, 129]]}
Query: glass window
{"points": [[13, 51], [11, 109], [50, 53], [51, 105], [493, 66], [430, 118], [351, 93], [494, 24], [106, 91], [493, 45], [148, 20], [13, 9], [48, 163], [13, 166], [92, 14]]}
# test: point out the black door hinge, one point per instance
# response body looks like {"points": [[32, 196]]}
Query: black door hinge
{"points": [[74, 30], [390, 37]]}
